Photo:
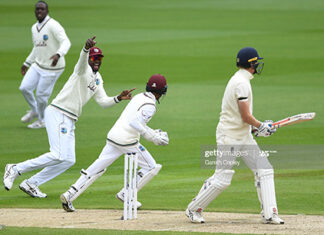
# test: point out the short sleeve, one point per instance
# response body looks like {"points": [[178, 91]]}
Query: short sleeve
{"points": [[242, 91]]}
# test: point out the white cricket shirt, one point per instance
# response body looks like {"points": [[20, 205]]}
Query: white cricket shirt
{"points": [[49, 38], [230, 121], [133, 119], [81, 86]]}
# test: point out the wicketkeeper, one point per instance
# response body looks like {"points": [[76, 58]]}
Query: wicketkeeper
{"points": [[233, 137], [124, 138]]}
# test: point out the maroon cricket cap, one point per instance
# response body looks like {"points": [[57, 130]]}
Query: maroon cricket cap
{"points": [[157, 83], [95, 51]]}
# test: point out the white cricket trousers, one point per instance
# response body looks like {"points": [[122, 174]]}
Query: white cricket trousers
{"points": [[111, 152], [246, 148], [60, 131], [43, 81]]}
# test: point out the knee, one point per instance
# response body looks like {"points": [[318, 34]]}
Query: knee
{"points": [[222, 178], [70, 162], [24, 89], [263, 173], [63, 156], [154, 170]]}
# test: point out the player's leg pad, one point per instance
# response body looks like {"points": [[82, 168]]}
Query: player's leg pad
{"points": [[144, 179], [84, 182], [211, 189], [268, 195], [257, 185]]}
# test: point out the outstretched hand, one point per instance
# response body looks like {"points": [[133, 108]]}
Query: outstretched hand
{"points": [[90, 43], [125, 95]]}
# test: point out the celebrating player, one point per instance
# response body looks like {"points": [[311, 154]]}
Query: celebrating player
{"points": [[124, 138], [46, 62], [234, 136], [60, 118]]}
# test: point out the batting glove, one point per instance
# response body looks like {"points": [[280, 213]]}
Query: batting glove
{"points": [[265, 129]]}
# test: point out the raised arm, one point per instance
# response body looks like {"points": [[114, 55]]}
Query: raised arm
{"points": [[82, 63]]}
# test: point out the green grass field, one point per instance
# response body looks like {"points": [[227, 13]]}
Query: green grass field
{"points": [[194, 44]]}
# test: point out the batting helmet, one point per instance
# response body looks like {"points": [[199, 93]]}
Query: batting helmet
{"points": [[95, 51], [248, 57], [157, 83]]}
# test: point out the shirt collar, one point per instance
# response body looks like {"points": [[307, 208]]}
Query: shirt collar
{"points": [[246, 74], [39, 25]]}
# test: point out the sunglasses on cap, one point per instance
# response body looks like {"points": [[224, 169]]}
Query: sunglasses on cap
{"points": [[95, 57]]}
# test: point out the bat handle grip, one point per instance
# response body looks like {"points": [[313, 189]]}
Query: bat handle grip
{"points": [[276, 126]]}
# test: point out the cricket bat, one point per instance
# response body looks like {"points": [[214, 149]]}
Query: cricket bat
{"points": [[302, 117]]}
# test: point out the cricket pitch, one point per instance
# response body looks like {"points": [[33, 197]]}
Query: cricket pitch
{"points": [[156, 220]]}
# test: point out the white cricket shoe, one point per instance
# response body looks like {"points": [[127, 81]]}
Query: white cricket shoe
{"points": [[31, 189], [37, 125], [9, 176], [66, 200], [195, 216], [29, 116], [120, 197], [273, 220]]}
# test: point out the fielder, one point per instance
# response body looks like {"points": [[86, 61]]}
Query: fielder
{"points": [[124, 138], [234, 136], [60, 118], [46, 62]]}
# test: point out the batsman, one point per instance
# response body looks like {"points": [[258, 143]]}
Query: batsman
{"points": [[234, 139], [124, 138]]}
